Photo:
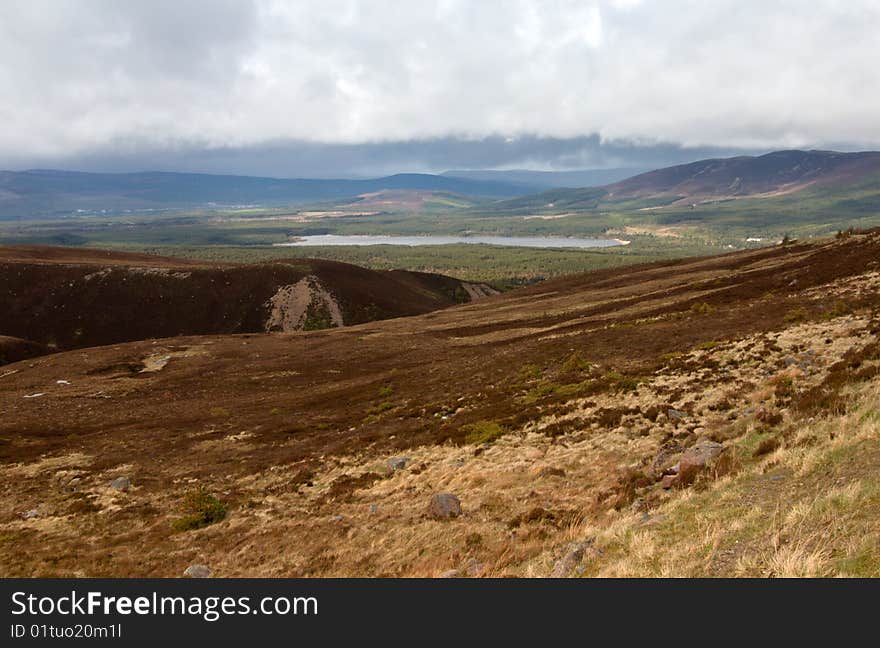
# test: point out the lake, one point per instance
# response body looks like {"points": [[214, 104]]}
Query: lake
{"points": [[512, 241]]}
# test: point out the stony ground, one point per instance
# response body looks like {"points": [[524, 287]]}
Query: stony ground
{"points": [[709, 417]]}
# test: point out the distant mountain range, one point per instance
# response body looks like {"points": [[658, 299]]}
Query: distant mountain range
{"points": [[49, 192], [29, 194]]}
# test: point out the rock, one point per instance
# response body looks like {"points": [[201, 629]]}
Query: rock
{"points": [[30, 515], [474, 568], [668, 481], [397, 463], [444, 506], [198, 571], [696, 458], [676, 415], [451, 573], [374, 508], [639, 504], [665, 457], [121, 484], [569, 563]]}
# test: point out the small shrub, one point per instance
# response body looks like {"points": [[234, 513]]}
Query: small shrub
{"points": [[702, 308], [575, 363], [200, 509], [784, 388], [386, 391], [384, 406], [796, 315], [622, 383], [482, 432], [541, 391], [839, 309], [529, 372]]}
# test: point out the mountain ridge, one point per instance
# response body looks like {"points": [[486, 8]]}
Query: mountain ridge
{"points": [[47, 191]]}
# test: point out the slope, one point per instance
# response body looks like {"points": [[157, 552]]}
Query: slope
{"points": [[71, 298], [562, 415]]}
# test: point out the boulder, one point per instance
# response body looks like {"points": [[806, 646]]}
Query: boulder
{"points": [[121, 484], [697, 458], [571, 560], [444, 506], [197, 571], [474, 568], [666, 456], [397, 463]]}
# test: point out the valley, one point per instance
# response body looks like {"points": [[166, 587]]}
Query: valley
{"points": [[704, 416]]}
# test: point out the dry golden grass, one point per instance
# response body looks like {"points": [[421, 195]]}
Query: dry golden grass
{"points": [[816, 518]]}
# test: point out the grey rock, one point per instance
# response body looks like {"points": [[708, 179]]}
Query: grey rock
{"points": [[30, 515], [121, 484], [702, 451], [451, 573], [569, 564], [198, 571], [666, 456], [397, 463], [474, 568], [676, 415], [444, 506]]}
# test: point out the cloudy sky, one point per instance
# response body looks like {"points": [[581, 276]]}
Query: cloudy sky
{"points": [[333, 88]]}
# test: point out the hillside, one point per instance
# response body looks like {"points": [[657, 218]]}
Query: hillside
{"points": [[773, 175], [779, 172], [27, 194], [67, 298], [538, 180], [709, 416]]}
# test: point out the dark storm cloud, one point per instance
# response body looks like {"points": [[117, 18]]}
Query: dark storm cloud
{"points": [[310, 159]]}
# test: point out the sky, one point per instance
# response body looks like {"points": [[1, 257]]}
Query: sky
{"points": [[337, 88]]}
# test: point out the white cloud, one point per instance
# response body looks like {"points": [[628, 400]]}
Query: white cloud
{"points": [[78, 77]]}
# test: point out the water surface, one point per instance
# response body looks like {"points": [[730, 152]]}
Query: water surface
{"points": [[442, 239]]}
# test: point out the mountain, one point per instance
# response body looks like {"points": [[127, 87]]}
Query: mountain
{"points": [[63, 298], [852, 180], [539, 180], [781, 172], [48, 192], [710, 416]]}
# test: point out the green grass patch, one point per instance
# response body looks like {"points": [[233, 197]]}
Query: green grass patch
{"points": [[200, 509], [482, 432]]}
